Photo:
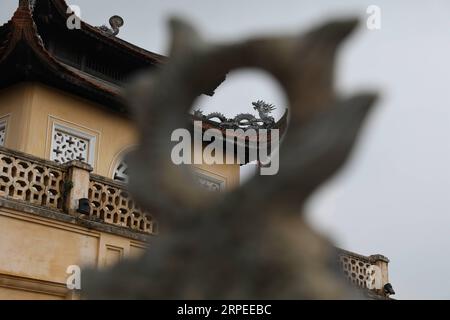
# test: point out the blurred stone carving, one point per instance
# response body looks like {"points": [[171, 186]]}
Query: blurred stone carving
{"points": [[253, 242]]}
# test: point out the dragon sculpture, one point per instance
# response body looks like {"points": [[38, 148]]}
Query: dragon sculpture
{"points": [[243, 120]]}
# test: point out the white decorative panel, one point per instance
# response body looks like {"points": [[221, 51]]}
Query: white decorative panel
{"points": [[2, 133], [69, 144]]}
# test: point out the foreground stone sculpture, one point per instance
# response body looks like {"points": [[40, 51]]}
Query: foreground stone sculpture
{"points": [[252, 243]]}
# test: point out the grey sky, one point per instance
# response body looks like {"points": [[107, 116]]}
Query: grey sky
{"points": [[393, 196]]}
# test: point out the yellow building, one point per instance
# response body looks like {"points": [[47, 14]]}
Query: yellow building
{"points": [[64, 131]]}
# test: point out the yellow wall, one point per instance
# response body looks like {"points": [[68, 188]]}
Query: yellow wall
{"points": [[35, 253], [114, 132], [15, 106], [33, 108]]}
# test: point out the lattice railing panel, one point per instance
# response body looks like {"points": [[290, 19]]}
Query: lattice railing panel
{"points": [[112, 204], [31, 181], [356, 269]]}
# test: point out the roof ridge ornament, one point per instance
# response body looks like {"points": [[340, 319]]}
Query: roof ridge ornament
{"points": [[24, 3], [116, 22], [243, 120]]}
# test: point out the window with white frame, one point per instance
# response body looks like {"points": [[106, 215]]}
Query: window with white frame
{"points": [[121, 172], [2, 132], [70, 144]]}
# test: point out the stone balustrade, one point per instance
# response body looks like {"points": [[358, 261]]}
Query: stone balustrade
{"points": [[112, 203], [365, 272], [30, 179], [54, 186]]}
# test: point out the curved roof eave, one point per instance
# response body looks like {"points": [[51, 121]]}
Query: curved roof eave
{"points": [[23, 29], [92, 31]]}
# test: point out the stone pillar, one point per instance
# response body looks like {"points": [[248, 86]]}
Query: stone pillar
{"points": [[77, 185], [381, 262]]}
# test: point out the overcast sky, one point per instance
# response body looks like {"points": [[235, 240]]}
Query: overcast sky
{"points": [[393, 196]]}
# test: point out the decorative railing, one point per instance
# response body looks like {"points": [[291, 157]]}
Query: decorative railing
{"points": [[356, 268], [31, 179], [60, 187], [111, 203], [365, 272]]}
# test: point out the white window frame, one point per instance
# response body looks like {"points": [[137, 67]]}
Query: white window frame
{"points": [[78, 133], [4, 126]]}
